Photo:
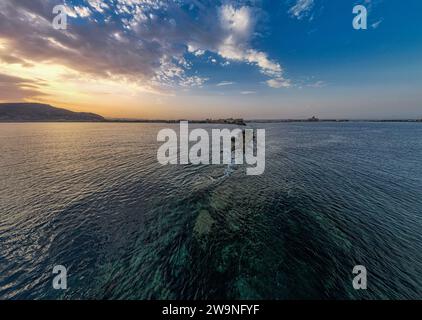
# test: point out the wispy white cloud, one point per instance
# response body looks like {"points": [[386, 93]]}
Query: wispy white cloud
{"points": [[375, 25], [301, 9], [247, 92], [238, 25], [317, 84], [279, 83], [224, 83]]}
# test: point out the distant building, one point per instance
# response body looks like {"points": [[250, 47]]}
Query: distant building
{"points": [[313, 119]]}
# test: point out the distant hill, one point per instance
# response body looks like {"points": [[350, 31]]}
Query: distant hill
{"points": [[14, 112]]}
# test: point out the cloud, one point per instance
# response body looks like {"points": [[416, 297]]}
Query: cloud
{"points": [[196, 52], [100, 5], [144, 41], [301, 9], [224, 83], [238, 25], [375, 25], [247, 92], [83, 12], [17, 89], [279, 83], [77, 11], [11, 59], [317, 84]]}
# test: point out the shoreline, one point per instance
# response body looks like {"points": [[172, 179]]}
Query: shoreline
{"points": [[211, 122]]}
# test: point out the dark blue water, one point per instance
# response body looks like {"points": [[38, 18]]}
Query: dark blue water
{"points": [[93, 198]]}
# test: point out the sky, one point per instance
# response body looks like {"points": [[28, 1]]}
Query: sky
{"points": [[193, 59]]}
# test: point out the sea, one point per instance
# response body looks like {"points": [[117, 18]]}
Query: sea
{"points": [[93, 198]]}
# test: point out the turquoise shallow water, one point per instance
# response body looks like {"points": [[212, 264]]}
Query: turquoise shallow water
{"points": [[92, 197]]}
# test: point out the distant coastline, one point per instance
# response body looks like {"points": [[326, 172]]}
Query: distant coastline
{"points": [[36, 112], [241, 121], [331, 120], [212, 122]]}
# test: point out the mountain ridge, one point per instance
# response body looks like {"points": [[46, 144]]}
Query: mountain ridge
{"points": [[39, 112]]}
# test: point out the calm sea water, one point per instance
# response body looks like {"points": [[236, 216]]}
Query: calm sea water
{"points": [[93, 198]]}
